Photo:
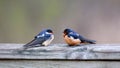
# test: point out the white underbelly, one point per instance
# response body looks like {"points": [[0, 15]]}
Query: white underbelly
{"points": [[47, 42]]}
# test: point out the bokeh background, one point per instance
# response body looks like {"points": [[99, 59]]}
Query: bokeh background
{"points": [[21, 20]]}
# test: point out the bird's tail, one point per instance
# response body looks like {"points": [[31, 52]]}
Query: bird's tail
{"points": [[91, 41], [29, 45]]}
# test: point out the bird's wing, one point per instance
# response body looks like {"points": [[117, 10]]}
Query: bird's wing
{"points": [[74, 35], [84, 40], [35, 41]]}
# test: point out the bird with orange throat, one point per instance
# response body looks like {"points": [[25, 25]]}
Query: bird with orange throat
{"points": [[72, 38]]}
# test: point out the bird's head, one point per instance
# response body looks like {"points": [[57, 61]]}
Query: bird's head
{"points": [[66, 31], [49, 31]]}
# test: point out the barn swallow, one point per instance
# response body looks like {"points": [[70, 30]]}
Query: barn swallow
{"points": [[73, 38], [44, 38]]}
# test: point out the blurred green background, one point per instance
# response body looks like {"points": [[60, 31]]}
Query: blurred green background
{"points": [[21, 20]]}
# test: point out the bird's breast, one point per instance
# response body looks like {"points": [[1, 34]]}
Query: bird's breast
{"points": [[71, 41], [48, 41]]}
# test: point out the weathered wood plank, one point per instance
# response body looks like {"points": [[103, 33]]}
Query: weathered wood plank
{"points": [[61, 51], [58, 64]]}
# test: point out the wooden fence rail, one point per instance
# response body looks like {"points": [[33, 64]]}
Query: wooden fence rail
{"points": [[60, 56]]}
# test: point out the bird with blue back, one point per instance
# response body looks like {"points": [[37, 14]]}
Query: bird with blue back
{"points": [[72, 38], [44, 38]]}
